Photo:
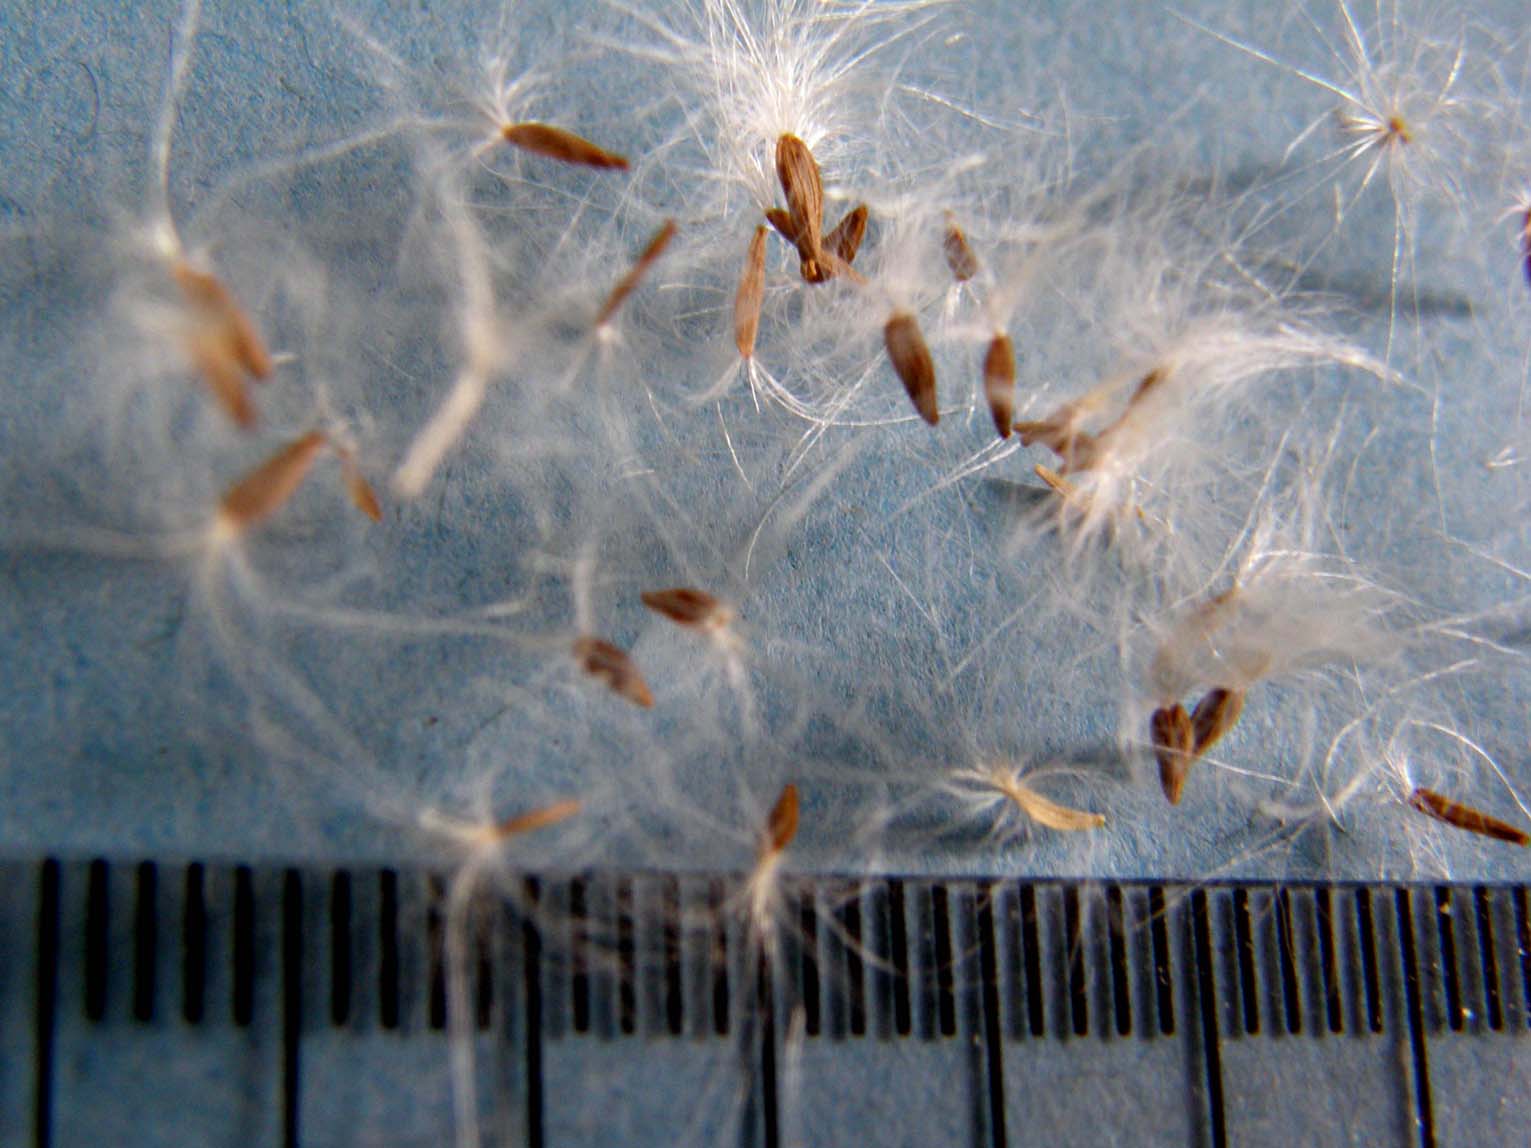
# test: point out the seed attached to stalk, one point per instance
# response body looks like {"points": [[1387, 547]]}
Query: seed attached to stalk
{"points": [[1454, 813], [911, 361], [563, 146], [612, 666]]}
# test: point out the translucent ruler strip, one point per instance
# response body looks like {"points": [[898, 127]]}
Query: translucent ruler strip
{"points": [[149, 1003]]}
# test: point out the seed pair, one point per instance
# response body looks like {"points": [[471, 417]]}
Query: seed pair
{"points": [[614, 666], [265, 490], [821, 257], [1181, 739]]}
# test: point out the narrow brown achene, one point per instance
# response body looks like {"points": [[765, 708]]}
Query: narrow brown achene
{"points": [[1454, 813], [751, 293], [911, 361], [781, 823], [558, 144], [999, 383], [646, 259], [264, 490]]}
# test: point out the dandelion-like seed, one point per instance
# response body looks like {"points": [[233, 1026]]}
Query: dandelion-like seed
{"points": [[1403, 113]]}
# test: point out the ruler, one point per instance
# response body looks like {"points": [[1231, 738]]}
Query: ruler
{"points": [[188, 1004]]}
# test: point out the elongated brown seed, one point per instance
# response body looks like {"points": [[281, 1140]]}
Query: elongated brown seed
{"points": [[362, 495], [687, 606], [911, 360], [264, 490], [634, 276], [748, 298], [225, 318], [537, 819], [1433, 804], [999, 383], [222, 342], [959, 256], [781, 823], [611, 665], [779, 219], [565, 147], [224, 376], [845, 239], [801, 183], [1216, 714], [1174, 744]]}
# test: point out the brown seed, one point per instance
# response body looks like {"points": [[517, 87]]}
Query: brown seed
{"points": [[999, 383], [798, 172], [640, 267], [555, 143], [225, 318], [781, 823], [224, 377], [959, 256], [845, 240], [780, 220], [610, 664], [263, 491], [1174, 748], [1216, 714], [537, 819], [688, 607], [360, 490], [748, 298], [911, 360], [1432, 804]]}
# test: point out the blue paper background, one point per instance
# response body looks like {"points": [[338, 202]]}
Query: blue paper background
{"points": [[128, 728]]}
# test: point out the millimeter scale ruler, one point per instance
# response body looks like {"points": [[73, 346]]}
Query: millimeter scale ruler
{"points": [[149, 1003]]}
